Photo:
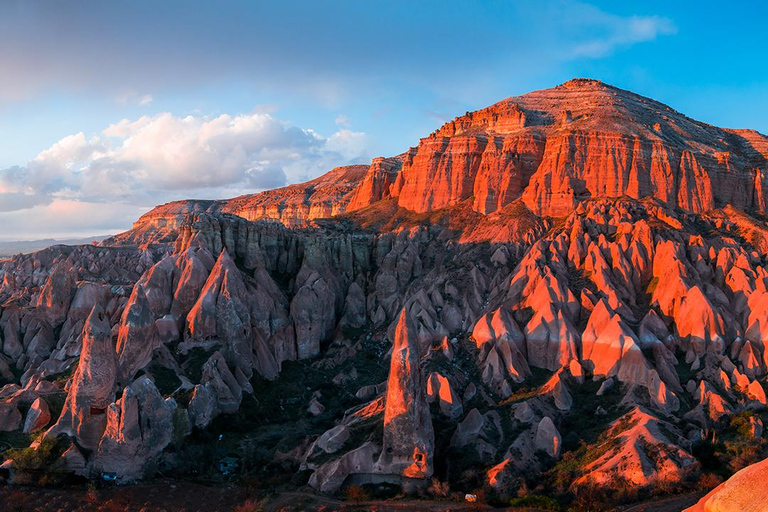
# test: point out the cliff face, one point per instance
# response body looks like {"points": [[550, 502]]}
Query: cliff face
{"points": [[551, 149], [580, 140], [296, 205]]}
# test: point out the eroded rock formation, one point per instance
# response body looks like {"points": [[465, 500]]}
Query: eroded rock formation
{"points": [[576, 267]]}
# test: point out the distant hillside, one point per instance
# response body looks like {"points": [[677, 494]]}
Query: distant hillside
{"points": [[8, 249]]}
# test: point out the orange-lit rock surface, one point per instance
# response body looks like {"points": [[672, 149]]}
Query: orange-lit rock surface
{"points": [[93, 385], [294, 205], [641, 452], [551, 148], [746, 491], [408, 445], [581, 139]]}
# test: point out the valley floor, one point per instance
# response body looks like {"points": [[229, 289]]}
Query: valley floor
{"points": [[178, 496], [672, 504]]}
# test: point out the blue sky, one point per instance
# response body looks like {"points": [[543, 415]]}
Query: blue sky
{"points": [[107, 108]]}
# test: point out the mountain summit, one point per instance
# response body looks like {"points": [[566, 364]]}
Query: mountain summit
{"points": [[580, 140]]}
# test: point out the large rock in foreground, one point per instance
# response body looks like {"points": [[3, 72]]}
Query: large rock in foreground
{"points": [[746, 491]]}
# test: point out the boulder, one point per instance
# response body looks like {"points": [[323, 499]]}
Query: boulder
{"points": [[38, 417], [219, 392], [548, 438], [483, 432], [329, 477], [332, 440], [72, 461], [440, 389], [10, 417], [139, 427], [746, 491]]}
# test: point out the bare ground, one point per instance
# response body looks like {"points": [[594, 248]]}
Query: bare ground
{"points": [[175, 496]]}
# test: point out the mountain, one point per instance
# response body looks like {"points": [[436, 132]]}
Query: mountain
{"points": [[581, 140], [551, 149], [561, 294]]}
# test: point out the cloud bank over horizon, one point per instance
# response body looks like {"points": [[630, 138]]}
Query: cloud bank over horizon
{"points": [[136, 164]]}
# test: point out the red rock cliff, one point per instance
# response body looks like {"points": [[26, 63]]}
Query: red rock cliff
{"points": [[582, 139], [549, 149]]}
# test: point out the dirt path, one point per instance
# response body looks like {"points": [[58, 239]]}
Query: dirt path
{"points": [[175, 496], [171, 496], [295, 501], [674, 504]]}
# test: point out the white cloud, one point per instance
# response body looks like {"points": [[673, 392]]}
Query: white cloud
{"points": [[349, 143], [341, 120], [133, 97], [63, 218], [158, 158], [615, 32]]}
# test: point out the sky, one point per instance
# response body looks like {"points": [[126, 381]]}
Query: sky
{"points": [[109, 108]]}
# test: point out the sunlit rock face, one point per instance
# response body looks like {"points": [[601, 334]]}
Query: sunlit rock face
{"points": [[408, 446], [139, 426], [294, 205], [746, 491], [580, 140], [93, 385], [551, 149], [567, 285], [645, 454]]}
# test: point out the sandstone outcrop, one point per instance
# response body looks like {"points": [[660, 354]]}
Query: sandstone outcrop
{"points": [[294, 205], [614, 143], [38, 416], [10, 417], [408, 445], [139, 427], [548, 438], [84, 416], [746, 491], [439, 389], [643, 454], [218, 392], [482, 432], [329, 477]]}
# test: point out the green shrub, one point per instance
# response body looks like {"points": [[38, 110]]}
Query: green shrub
{"points": [[36, 466], [41, 458], [13, 440]]}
